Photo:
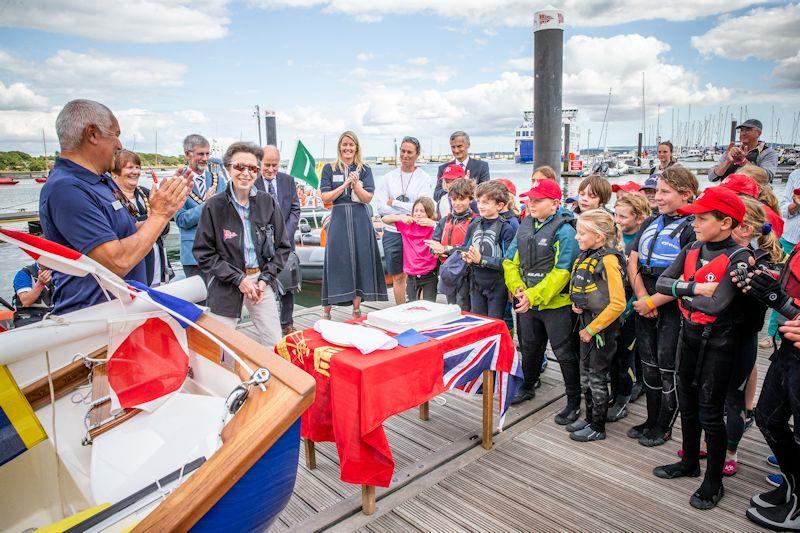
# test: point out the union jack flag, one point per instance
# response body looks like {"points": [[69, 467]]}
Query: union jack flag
{"points": [[464, 366], [455, 327]]}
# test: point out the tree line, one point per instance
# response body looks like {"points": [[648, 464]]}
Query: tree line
{"points": [[24, 162]]}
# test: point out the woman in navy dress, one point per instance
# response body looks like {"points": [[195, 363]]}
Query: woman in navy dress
{"points": [[352, 272]]}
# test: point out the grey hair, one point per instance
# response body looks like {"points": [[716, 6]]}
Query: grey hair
{"points": [[193, 141], [457, 134], [237, 147], [75, 117]]}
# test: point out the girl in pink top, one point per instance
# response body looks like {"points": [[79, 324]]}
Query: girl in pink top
{"points": [[418, 262]]}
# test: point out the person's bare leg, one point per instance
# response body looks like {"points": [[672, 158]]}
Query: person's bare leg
{"points": [[357, 307], [750, 390], [399, 288], [326, 312]]}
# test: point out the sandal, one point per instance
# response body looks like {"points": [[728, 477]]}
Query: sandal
{"points": [[356, 313], [730, 467]]}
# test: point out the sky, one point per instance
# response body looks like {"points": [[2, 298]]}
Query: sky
{"points": [[389, 68]]}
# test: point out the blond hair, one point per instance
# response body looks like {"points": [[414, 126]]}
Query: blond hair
{"points": [[756, 218], [681, 179], [601, 222], [756, 172], [356, 159], [639, 204], [546, 171], [427, 205]]}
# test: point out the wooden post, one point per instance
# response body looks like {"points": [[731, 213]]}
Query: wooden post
{"points": [[424, 411], [367, 499], [488, 396], [311, 454]]}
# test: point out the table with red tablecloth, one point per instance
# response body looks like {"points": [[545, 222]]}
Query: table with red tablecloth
{"points": [[355, 392]]}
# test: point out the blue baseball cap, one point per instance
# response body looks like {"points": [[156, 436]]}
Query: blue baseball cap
{"points": [[571, 200], [649, 183]]}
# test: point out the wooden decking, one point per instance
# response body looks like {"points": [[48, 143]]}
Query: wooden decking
{"points": [[535, 477]]}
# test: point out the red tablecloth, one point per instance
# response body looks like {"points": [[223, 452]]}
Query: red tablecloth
{"points": [[364, 390]]}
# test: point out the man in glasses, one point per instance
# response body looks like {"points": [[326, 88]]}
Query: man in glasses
{"points": [[474, 169], [207, 178], [749, 150], [283, 190], [78, 207], [395, 195]]}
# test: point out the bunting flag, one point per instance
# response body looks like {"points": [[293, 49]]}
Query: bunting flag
{"points": [[20, 430]]}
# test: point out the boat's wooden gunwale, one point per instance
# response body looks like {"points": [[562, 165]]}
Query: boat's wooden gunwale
{"points": [[65, 381]]}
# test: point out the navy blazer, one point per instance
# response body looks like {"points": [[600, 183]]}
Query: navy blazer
{"points": [[478, 172], [288, 202]]}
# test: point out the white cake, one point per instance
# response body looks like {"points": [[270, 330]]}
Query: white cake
{"points": [[417, 315]]}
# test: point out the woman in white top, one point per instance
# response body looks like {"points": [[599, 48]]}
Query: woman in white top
{"points": [[395, 195]]}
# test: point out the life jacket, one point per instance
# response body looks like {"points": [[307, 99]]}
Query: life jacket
{"points": [[790, 276], [537, 256], [713, 271], [588, 287], [34, 313], [455, 229], [488, 240], [659, 245]]}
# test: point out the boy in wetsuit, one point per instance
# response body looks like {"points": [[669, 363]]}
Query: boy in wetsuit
{"points": [[700, 277]]}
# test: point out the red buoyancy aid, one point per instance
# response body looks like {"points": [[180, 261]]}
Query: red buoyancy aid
{"points": [[790, 276], [712, 272], [455, 230]]}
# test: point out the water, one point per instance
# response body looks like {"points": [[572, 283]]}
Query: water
{"points": [[25, 195]]}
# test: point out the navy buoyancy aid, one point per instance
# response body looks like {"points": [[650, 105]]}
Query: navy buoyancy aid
{"points": [[659, 245], [537, 255], [588, 286], [488, 239], [712, 272], [34, 313]]}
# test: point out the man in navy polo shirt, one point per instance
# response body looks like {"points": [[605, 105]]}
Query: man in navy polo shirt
{"points": [[81, 207]]}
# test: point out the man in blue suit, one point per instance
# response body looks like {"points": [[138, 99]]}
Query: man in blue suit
{"points": [[283, 189], [208, 178], [475, 169]]}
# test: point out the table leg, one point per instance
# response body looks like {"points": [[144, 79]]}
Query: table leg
{"points": [[488, 396], [424, 411], [367, 499], [311, 454]]}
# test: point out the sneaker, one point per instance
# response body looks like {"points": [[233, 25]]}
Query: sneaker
{"points": [[730, 467], [703, 453], [637, 391], [636, 432], [773, 461], [781, 517], [775, 479], [698, 503], [618, 410], [523, 395], [577, 425], [544, 364], [675, 470], [567, 416], [777, 496], [587, 434], [766, 342], [538, 384], [655, 437]]}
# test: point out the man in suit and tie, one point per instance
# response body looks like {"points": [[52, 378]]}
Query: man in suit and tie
{"points": [[283, 189], [208, 178], [474, 169]]}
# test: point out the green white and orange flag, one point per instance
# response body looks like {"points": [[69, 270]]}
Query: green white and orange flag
{"points": [[304, 167]]}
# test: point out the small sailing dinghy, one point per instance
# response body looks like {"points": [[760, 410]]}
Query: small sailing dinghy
{"points": [[142, 412]]}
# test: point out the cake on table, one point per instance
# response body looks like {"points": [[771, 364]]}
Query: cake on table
{"points": [[416, 315]]}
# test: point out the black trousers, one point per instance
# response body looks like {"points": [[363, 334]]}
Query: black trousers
{"points": [[657, 343], [779, 401], [746, 351], [596, 358], [623, 371], [423, 286], [705, 366], [489, 302], [461, 296], [534, 328], [287, 309]]}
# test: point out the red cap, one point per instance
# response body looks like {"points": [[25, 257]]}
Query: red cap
{"points": [[544, 189], [720, 199], [774, 219], [741, 184], [453, 172], [631, 186], [510, 186]]}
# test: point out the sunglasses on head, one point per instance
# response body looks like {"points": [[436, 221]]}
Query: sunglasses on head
{"points": [[241, 167]]}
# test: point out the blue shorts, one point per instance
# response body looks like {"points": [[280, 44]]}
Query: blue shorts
{"points": [[393, 252]]}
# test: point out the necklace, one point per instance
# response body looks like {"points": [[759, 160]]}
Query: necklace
{"points": [[404, 185]]}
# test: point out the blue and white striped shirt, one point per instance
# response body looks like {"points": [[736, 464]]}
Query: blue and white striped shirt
{"points": [[791, 227], [250, 258]]}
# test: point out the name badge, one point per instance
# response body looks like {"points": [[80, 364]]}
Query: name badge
{"points": [[117, 205], [337, 179]]}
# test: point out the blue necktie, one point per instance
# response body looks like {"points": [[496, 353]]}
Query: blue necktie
{"points": [[200, 183], [272, 191]]}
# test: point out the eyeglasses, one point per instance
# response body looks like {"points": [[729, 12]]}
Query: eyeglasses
{"points": [[241, 167]]}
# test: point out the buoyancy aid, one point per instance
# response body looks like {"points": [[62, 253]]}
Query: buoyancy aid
{"points": [[455, 229], [790, 276], [488, 239], [712, 272], [537, 255], [34, 313], [588, 287], [659, 245]]}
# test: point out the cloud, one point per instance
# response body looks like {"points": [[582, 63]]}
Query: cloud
{"points": [[134, 21], [519, 63], [788, 72], [405, 74], [93, 69], [418, 61], [763, 33], [519, 13], [364, 56], [20, 96]]}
